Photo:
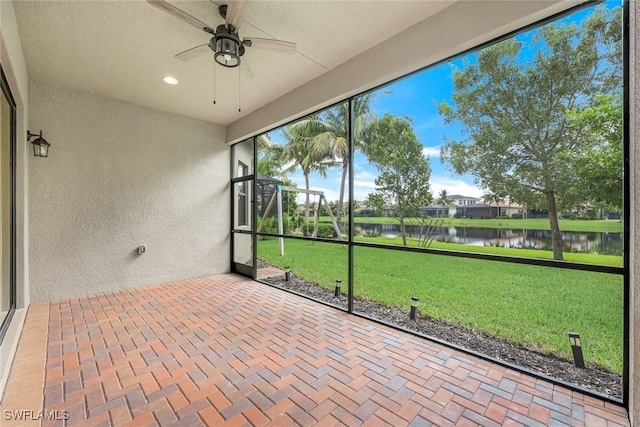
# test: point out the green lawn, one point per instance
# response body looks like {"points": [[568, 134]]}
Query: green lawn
{"points": [[532, 305], [516, 224]]}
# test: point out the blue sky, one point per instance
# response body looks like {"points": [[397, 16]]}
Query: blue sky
{"points": [[417, 97]]}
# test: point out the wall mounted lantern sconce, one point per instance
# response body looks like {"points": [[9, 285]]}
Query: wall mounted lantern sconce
{"points": [[40, 145]]}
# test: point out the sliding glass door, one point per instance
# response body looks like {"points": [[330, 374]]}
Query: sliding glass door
{"points": [[7, 246]]}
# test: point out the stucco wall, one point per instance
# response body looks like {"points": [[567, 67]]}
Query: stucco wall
{"points": [[118, 176]]}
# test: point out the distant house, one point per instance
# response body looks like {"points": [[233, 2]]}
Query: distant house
{"points": [[361, 208], [462, 202], [508, 208], [478, 210], [473, 207], [437, 211], [537, 213]]}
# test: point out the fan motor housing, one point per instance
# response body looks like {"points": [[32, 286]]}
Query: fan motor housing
{"points": [[227, 47]]}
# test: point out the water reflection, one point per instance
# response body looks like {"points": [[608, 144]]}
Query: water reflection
{"points": [[593, 242]]}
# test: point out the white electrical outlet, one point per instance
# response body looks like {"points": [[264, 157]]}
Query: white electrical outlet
{"points": [[142, 249]]}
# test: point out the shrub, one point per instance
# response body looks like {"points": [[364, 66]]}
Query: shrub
{"points": [[269, 225], [324, 230], [591, 214], [517, 216]]}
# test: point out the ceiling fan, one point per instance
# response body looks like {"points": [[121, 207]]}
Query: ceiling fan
{"points": [[225, 43]]}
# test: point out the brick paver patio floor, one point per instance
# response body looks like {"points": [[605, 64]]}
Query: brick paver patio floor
{"points": [[225, 350]]}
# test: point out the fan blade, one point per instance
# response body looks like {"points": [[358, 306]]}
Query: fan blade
{"points": [[236, 9], [194, 52], [181, 14], [248, 68], [279, 45]]}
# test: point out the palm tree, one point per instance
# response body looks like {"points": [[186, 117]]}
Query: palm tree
{"points": [[444, 199], [494, 197], [299, 152], [329, 132], [270, 161], [270, 157]]}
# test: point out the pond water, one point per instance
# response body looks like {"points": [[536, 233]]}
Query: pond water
{"points": [[595, 242]]}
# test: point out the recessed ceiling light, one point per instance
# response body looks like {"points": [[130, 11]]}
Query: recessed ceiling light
{"points": [[170, 80]]}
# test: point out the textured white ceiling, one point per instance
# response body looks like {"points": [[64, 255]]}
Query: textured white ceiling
{"points": [[123, 49]]}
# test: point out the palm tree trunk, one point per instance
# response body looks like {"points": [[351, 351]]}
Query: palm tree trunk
{"points": [[556, 235], [306, 203], [345, 169]]}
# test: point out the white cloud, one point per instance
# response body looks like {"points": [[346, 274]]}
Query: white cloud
{"points": [[358, 183], [431, 151], [363, 184], [365, 175], [453, 186], [298, 180]]}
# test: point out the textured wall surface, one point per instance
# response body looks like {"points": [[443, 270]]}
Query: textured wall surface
{"points": [[117, 176]]}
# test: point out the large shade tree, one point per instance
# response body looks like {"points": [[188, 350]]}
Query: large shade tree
{"points": [[600, 164], [513, 105], [403, 183], [329, 133]]}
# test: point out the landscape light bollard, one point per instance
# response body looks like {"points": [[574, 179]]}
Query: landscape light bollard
{"points": [[338, 290], [576, 348], [287, 273], [414, 307]]}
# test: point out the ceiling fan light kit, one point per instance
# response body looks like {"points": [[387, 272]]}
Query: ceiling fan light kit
{"points": [[227, 47], [225, 43]]}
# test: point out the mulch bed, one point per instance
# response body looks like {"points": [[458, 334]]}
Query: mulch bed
{"points": [[592, 377]]}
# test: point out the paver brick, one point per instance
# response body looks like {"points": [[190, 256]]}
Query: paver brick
{"points": [[496, 412], [225, 350], [452, 411]]}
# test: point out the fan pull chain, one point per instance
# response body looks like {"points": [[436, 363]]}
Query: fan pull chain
{"points": [[239, 90], [214, 83]]}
